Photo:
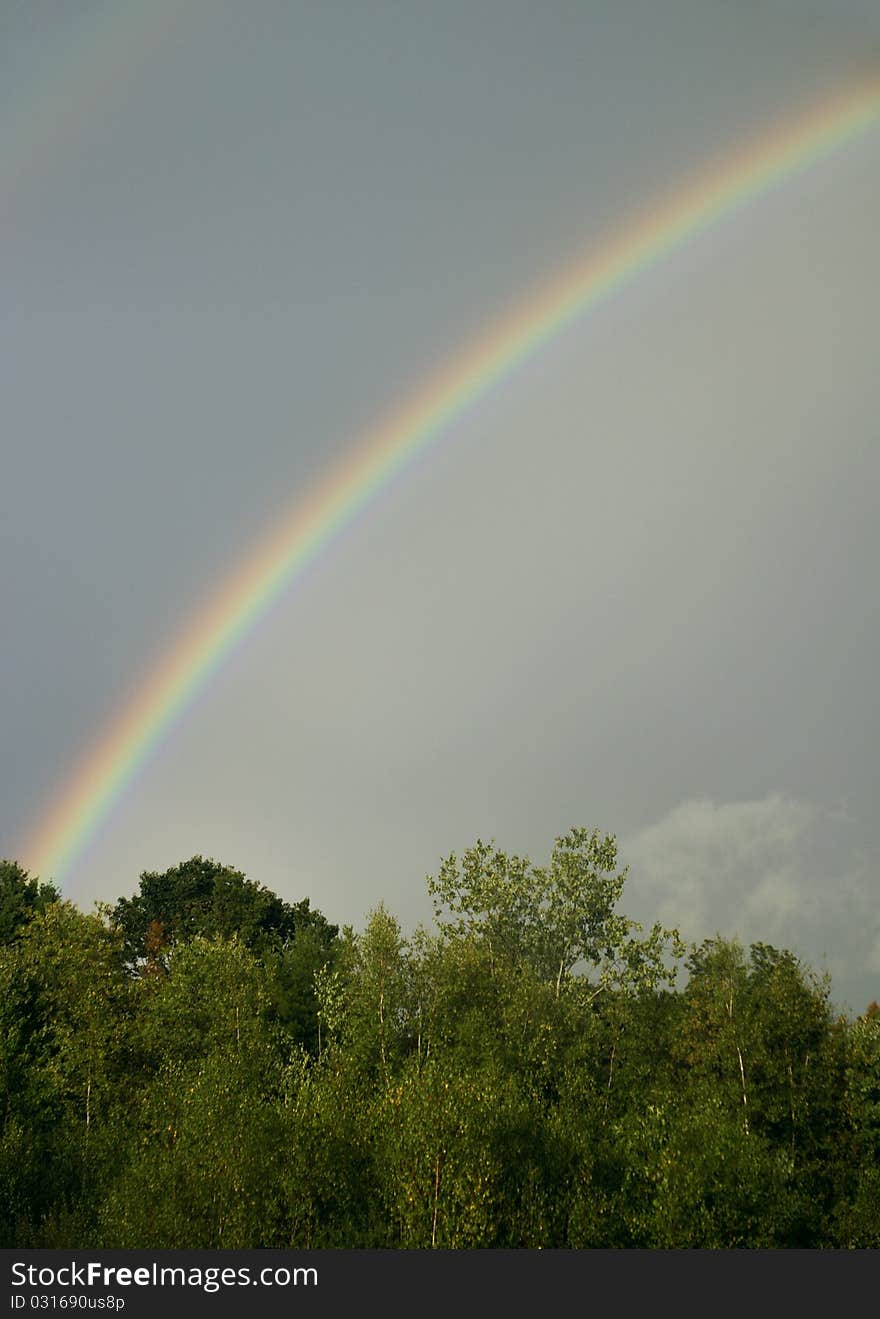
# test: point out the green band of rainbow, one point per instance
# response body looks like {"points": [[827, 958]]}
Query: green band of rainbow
{"points": [[100, 779]]}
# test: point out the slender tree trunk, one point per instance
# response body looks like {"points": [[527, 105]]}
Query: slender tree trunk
{"points": [[742, 1070], [742, 1075]]}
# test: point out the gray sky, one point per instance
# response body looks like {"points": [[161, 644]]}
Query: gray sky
{"points": [[635, 588]]}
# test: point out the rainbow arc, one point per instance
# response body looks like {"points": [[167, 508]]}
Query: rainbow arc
{"points": [[385, 450]]}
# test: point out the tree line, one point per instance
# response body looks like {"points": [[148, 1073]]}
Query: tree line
{"points": [[206, 1065]]}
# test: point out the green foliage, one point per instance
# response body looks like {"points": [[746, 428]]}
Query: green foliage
{"points": [[203, 897], [375, 1006], [64, 1009], [205, 1065], [21, 898], [197, 1165], [300, 970], [858, 1219], [550, 918], [440, 1157]]}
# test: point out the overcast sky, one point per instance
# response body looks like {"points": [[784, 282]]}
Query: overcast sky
{"points": [[635, 588]]}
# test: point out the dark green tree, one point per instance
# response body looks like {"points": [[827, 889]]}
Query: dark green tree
{"points": [[64, 1090], [197, 1164], [21, 897], [203, 898], [298, 972], [858, 1219]]}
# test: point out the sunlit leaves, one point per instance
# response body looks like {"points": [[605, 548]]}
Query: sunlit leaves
{"points": [[204, 1065]]}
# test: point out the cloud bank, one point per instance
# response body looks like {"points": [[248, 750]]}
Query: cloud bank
{"points": [[780, 870]]}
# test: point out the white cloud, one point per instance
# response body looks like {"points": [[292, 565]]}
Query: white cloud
{"points": [[780, 869], [704, 861]]}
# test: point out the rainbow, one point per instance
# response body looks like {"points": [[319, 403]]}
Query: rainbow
{"points": [[393, 443]]}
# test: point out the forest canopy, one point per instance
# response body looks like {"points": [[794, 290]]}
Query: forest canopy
{"points": [[204, 1064]]}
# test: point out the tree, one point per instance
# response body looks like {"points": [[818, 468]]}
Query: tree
{"points": [[795, 1073], [64, 1013], [377, 1002], [858, 1221], [439, 1162], [201, 897], [21, 897], [552, 918], [714, 1032], [756, 1036], [301, 968], [198, 1163]]}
